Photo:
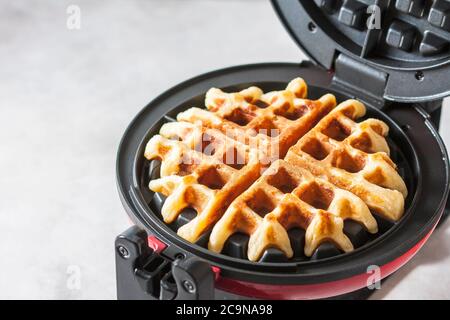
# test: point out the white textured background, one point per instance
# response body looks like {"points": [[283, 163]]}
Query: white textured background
{"points": [[67, 96]]}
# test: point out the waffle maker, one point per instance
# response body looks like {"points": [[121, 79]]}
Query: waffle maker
{"points": [[401, 72]]}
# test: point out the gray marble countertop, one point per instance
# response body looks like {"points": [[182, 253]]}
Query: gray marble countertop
{"points": [[66, 97]]}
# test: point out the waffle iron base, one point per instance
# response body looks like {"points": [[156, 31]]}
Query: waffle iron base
{"points": [[426, 174]]}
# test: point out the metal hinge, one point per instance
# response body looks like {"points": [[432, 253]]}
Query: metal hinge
{"points": [[144, 274], [359, 80]]}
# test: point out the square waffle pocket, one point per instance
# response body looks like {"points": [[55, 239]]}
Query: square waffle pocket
{"points": [[261, 164]]}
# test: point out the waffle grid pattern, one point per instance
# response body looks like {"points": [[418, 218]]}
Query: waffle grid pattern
{"points": [[223, 162]]}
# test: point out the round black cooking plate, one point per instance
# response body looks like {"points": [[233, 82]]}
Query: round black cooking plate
{"points": [[420, 154]]}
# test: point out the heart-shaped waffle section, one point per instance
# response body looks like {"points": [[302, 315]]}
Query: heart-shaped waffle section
{"points": [[275, 120], [355, 157], [285, 197], [190, 178]]}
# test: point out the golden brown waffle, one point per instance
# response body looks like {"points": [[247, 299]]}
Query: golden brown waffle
{"points": [[353, 156], [223, 163], [272, 121], [212, 165], [190, 178], [285, 197]]}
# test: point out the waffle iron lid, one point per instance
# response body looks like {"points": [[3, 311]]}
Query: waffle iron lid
{"points": [[397, 50]]}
